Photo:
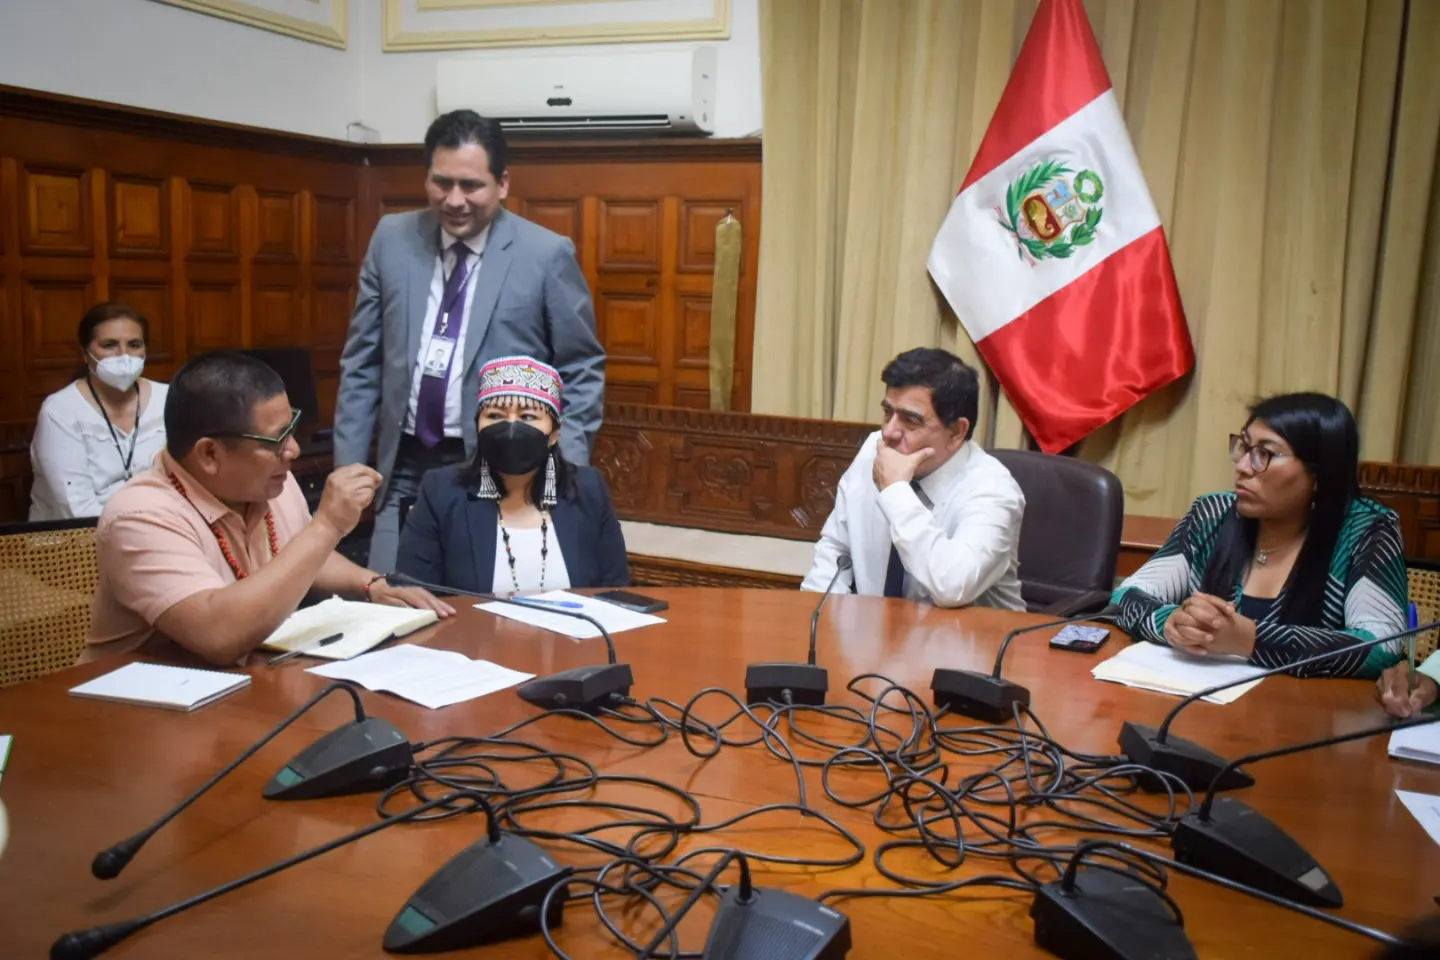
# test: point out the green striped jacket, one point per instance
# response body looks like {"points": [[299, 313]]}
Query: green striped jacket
{"points": [[1367, 593]]}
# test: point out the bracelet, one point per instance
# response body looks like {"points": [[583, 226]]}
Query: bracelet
{"points": [[374, 580]]}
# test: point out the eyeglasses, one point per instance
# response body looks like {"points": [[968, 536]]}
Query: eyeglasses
{"points": [[276, 444], [1260, 457]]}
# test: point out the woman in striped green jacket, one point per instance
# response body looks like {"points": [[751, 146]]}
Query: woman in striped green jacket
{"points": [[1293, 563]]}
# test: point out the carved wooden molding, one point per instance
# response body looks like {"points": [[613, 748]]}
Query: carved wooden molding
{"points": [[734, 472], [1414, 494], [1399, 478], [664, 572]]}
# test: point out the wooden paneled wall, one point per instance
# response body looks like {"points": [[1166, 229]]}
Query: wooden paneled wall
{"points": [[227, 236], [643, 223]]}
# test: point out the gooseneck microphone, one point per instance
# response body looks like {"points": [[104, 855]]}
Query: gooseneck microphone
{"points": [[84, 944], [760, 923], [803, 683], [1191, 763], [585, 688], [1109, 913], [989, 697], [495, 889], [378, 752], [1227, 837]]}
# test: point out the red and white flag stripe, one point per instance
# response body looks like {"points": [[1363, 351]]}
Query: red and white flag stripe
{"points": [[1052, 255]]}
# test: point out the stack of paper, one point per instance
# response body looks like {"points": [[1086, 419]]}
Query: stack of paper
{"points": [[612, 617], [157, 685], [431, 678], [363, 626], [1150, 666], [1420, 743], [1425, 808]]}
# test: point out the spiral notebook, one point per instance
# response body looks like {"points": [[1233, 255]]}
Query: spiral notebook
{"points": [[158, 685]]}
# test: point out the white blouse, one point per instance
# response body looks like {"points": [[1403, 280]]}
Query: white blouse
{"points": [[77, 463], [526, 545]]}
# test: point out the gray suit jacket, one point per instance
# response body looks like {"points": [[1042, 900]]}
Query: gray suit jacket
{"points": [[530, 300]]}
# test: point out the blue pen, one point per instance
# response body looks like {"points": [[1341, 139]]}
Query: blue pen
{"points": [[568, 604], [1412, 621]]}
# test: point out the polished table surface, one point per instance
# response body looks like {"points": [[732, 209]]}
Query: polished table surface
{"points": [[84, 774]]}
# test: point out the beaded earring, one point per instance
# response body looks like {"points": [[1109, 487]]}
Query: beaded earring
{"points": [[488, 490], [551, 495]]}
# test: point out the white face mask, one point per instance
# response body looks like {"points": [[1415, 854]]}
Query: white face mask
{"points": [[120, 372]]}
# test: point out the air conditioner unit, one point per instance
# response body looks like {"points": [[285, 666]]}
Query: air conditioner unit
{"points": [[670, 91]]}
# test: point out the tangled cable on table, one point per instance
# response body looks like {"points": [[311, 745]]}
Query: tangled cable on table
{"points": [[928, 797]]}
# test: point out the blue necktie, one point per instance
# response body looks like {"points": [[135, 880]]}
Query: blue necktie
{"points": [[895, 571], [430, 409]]}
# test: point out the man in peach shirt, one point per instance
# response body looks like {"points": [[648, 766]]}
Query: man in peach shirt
{"points": [[213, 546]]}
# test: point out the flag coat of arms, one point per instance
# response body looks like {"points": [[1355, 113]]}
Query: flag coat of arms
{"points": [[1052, 255]]}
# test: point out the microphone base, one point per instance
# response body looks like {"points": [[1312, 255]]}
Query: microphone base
{"points": [[775, 925], [1242, 844], [1107, 916], [805, 683], [582, 688], [486, 893], [360, 757], [979, 696], [1191, 763]]}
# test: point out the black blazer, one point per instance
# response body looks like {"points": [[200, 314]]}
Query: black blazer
{"points": [[449, 535]]}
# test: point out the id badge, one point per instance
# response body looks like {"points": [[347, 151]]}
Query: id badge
{"points": [[437, 357]]}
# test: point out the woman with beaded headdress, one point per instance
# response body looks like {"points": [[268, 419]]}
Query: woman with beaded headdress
{"points": [[517, 517]]}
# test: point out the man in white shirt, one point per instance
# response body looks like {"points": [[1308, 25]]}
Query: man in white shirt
{"points": [[922, 512]]}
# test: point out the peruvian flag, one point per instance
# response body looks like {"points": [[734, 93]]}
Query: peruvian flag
{"points": [[1052, 255]]}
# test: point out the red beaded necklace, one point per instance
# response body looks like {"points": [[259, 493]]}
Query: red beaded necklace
{"points": [[220, 534]]}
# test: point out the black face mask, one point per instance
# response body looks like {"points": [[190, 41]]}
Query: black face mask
{"points": [[513, 447]]}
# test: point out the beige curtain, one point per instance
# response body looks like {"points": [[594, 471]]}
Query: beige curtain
{"points": [[1291, 149]]}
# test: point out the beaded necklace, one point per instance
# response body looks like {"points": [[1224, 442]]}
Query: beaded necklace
{"points": [[510, 554], [220, 537]]}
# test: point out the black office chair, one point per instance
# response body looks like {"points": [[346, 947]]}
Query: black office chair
{"points": [[1070, 537]]}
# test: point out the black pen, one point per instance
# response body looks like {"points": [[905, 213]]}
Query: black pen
{"points": [[302, 650]]}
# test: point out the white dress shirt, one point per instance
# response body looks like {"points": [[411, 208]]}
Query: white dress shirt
{"points": [[526, 545], [445, 263], [75, 460], [963, 550]]}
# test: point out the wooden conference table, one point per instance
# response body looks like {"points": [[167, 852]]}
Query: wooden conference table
{"points": [[84, 774]]}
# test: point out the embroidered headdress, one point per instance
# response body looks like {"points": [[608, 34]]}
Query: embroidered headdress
{"points": [[521, 378]]}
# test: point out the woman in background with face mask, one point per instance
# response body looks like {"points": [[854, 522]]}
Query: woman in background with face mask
{"points": [[518, 517], [99, 431]]}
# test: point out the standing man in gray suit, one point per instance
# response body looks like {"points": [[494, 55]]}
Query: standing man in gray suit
{"points": [[443, 291]]}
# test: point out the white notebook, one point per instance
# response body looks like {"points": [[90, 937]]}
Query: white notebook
{"points": [[1149, 666], [157, 685], [1420, 743], [361, 626]]}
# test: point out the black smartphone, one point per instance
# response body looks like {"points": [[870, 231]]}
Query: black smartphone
{"points": [[633, 601], [1080, 639]]}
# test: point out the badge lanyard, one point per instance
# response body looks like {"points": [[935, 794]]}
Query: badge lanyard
{"points": [[447, 308], [441, 348], [125, 459]]}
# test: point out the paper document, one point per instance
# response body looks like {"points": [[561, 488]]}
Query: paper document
{"points": [[1420, 743], [158, 685], [1425, 808], [431, 678], [5, 741], [614, 618], [1149, 666], [364, 625]]}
